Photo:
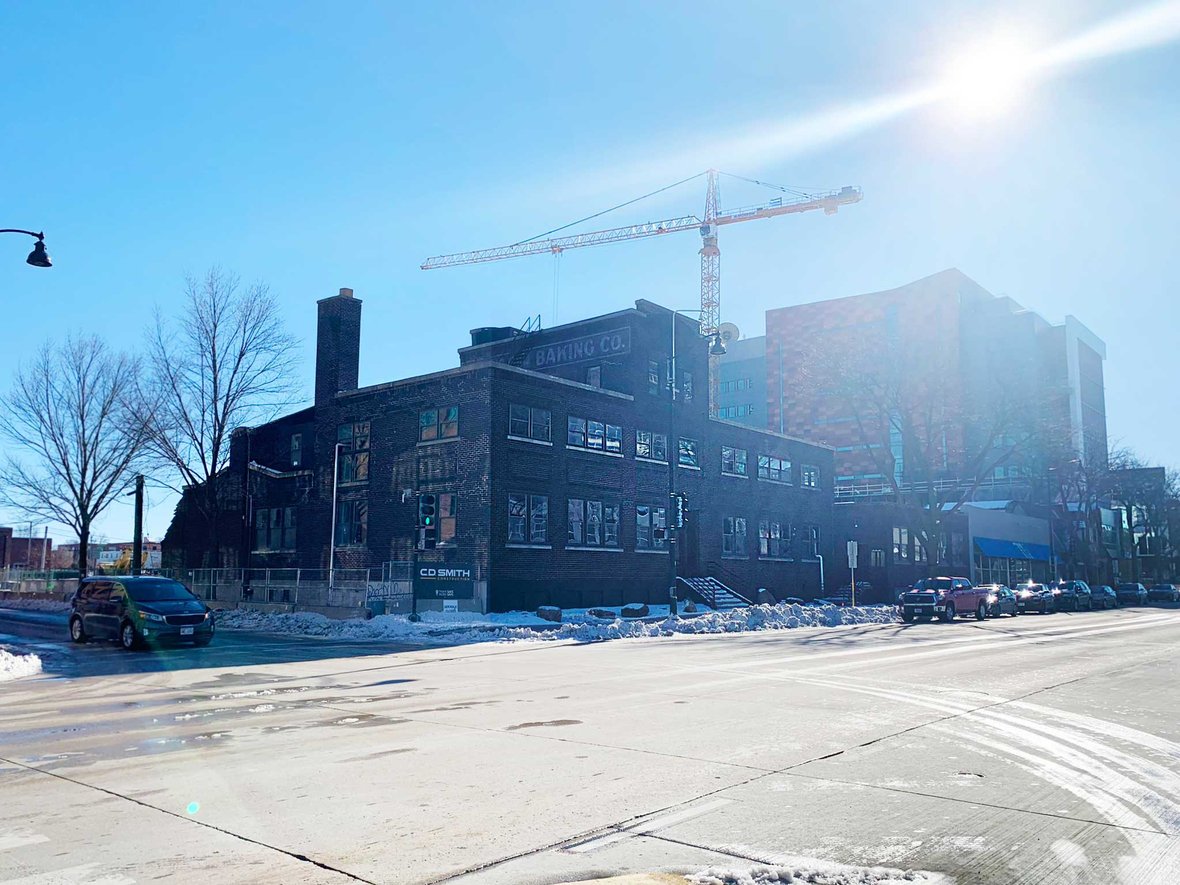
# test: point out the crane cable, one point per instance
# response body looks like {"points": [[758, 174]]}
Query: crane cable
{"points": [[611, 209]]}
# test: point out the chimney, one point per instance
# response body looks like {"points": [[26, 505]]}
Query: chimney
{"points": [[337, 346]]}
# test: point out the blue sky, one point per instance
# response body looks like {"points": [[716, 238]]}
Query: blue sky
{"points": [[315, 146]]}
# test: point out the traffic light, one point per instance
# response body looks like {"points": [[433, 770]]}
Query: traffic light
{"points": [[679, 509], [428, 520]]}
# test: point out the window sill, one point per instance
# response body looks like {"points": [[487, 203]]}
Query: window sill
{"points": [[438, 442], [597, 549], [646, 550], [775, 559], [642, 460], [737, 556], [688, 467], [777, 482], [529, 546], [735, 475], [264, 552], [810, 488], [352, 483], [530, 440], [590, 451]]}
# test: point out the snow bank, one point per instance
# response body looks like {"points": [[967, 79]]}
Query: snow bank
{"points": [[34, 604], [14, 666], [825, 874], [465, 627]]}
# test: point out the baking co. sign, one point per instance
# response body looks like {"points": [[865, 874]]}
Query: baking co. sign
{"points": [[444, 582], [576, 350]]}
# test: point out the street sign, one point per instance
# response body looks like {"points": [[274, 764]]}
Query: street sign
{"points": [[852, 554], [444, 581]]}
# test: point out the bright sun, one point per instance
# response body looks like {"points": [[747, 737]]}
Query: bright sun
{"points": [[984, 80]]}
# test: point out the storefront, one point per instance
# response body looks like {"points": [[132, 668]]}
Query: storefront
{"points": [[997, 561]]}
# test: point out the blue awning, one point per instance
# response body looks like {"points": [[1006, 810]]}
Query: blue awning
{"points": [[1012, 549]]}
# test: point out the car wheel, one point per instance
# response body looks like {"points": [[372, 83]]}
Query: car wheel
{"points": [[128, 638], [981, 612], [907, 617], [948, 613], [77, 631]]}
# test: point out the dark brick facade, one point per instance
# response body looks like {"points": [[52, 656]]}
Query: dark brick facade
{"points": [[600, 370]]}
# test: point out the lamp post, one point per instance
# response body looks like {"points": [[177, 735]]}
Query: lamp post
{"points": [[716, 348], [38, 257]]}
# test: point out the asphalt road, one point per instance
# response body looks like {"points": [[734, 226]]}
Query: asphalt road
{"points": [[1040, 749]]}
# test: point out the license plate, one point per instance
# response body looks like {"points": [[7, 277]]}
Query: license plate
{"points": [[186, 631]]}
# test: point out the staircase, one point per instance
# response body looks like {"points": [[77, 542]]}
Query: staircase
{"points": [[712, 593]]}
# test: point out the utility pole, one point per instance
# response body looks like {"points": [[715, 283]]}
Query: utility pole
{"points": [[137, 538]]}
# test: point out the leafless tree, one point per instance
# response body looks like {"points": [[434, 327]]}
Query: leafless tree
{"points": [[74, 420], [224, 362], [911, 401]]}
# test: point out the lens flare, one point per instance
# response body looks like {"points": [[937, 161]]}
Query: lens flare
{"points": [[193, 807]]}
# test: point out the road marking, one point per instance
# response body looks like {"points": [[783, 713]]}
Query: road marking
{"points": [[20, 838]]}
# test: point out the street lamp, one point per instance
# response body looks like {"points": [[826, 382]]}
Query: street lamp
{"points": [[38, 257], [716, 348]]}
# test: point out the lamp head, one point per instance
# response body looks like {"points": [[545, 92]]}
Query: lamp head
{"points": [[717, 346], [39, 257]]}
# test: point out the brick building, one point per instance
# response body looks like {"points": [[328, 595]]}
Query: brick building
{"points": [[17, 552], [549, 455]]}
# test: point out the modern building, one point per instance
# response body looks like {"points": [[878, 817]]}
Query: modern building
{"points": [[741, 387], [979, 354], [551, 455]]}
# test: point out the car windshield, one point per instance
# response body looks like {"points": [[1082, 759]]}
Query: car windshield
{"points": [[1131, 588], [933, 584], [1035, 588], [159, 590]]}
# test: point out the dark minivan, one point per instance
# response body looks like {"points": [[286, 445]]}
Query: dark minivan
{"points": [[137, 611]]}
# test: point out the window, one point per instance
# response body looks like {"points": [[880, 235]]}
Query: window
{"points": [[650, 527], [592, 523], [901, 544], [919, 550], [352, 523], [438, 424], [686, 386], [354, 451], [733, 461], [653, 446], [594, 376], [274, 528], [528, 519], [774, 539], [811, 541], [448, 511], [809, 476], [296, 449], [582, 433], [530, 422], [777, 469], [742, 411], [688, 453], [733, 536], [877, 558], [653, 377]]}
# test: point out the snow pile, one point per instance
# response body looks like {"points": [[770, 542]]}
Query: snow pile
{"points": [[463, 627], [14, 666], [827, 874], [34, 604]]}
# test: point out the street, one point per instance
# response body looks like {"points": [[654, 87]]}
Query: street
{"points": [[1038, 749]]}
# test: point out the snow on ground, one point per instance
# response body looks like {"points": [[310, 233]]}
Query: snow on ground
{"points": [[465, 627], [14, 666], [811, 874], [35, 604]]}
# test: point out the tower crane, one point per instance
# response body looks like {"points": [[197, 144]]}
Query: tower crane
{"points": [[714, 218]]}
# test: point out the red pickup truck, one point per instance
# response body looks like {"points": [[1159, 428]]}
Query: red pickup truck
{"points": [[943, 598]]}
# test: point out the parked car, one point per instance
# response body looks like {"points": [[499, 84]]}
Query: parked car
{"points": [[1103, 597], [943, 597], [1073, 596], [1131, 594], [1163, 593], [137, 611], [1032, 597], [792, 600], [1000, 600]]}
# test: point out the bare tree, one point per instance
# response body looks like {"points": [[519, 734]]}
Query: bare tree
{"points": [[224, 363], [932, 449], [73, 416]]}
